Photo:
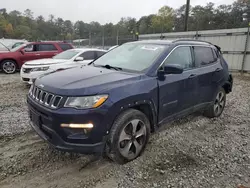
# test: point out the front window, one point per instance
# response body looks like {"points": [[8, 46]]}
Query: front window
{"points": [[181, 56], [66, 55], [132, 56], [17, 48]]}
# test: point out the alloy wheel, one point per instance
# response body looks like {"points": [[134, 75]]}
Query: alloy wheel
{"points": [[132, 139], [9, 67], [219, 103]]}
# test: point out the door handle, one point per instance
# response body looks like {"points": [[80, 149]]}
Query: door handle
{"points": [[38, 54], [218, 69], [192, 76]]}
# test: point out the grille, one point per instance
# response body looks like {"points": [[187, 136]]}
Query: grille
{"points": [[45, 98], [26, 70]]}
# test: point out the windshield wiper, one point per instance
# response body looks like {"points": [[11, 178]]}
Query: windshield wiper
{"points": [[111, 67]]}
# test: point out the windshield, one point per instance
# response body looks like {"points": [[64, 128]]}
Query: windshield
{"points": [[17, 47], [132, 56], [66, 55]]}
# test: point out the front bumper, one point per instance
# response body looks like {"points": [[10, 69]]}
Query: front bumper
{"points": [[32, 76], [56, 141], [46, 123]]}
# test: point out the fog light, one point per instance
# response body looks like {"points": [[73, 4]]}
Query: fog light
{"points": [[78, 126]]}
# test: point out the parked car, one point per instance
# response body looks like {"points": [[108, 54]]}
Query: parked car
{"points": [[16, 57], [67, 59], [17, 44], [114, 104], [113, 47]]}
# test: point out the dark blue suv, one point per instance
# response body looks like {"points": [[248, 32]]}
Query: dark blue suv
{"points": [[113, 104]]}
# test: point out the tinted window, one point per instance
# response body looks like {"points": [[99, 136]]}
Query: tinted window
{"points": [[203, 55], [181, 56], [99, 53], [90, 55], [65, 46], [47, 47]]}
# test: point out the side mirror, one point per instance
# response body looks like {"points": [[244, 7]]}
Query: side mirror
{"points": [[171, 69], [79, 59], [22, 51]]}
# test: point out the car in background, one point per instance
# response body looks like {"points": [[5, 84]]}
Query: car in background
{"points": [[113, 105], [13, 60], [65, 60], [113, 47], [17, 44]]}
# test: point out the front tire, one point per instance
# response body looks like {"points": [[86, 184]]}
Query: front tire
{"points": [[216, 109], [9, 66], [128, 136]]}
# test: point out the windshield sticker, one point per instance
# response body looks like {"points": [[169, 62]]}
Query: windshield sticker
{"points": [[153, 48]]}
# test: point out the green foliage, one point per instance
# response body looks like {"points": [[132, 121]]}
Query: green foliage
{"points": [[19, 25]]}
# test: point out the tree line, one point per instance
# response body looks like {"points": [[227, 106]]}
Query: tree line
{"points": [[18, 25]]}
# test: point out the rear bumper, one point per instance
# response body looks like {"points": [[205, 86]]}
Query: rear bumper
{"points": [[229, 83]]}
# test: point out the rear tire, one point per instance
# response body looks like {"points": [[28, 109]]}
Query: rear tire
{"points": [[216, 109], [128, 136], [8, 66]]}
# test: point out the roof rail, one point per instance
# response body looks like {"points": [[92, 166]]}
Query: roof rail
{"points": [[194, 40]]}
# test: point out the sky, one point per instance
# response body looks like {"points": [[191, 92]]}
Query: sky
{"points": [[103, 11]]}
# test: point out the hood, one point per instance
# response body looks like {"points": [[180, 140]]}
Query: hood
{"points": [[5, 52], [48, 61], [85, 80]]}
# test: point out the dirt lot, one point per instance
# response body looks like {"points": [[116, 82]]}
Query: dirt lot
{"points": [[191, 152]]}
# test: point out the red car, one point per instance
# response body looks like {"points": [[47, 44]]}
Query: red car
{"points": [[16, 57]]}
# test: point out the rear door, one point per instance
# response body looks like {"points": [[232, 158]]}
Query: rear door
{"points": [[210, 71], [177, 92], [47, 50]]}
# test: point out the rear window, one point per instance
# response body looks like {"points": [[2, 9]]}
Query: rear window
{"points": [[203, 55], [46, 47], [65, 47]]}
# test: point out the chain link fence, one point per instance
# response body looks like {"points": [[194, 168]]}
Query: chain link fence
{"points": [[103, 42]]}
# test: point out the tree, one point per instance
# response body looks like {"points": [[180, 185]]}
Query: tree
{"points": [[163, 21], [28, 14], [9, 30], [24, 25]]}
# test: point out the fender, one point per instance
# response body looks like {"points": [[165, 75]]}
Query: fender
{"points": [[121, 106]]}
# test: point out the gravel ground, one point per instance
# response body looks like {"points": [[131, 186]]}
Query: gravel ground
{"points": [[191, 152]]}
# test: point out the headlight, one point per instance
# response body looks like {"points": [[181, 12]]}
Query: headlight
{"points": [[86, 102], [40, 69]]}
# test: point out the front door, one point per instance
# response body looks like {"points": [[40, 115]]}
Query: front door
{"points": [[177, 92], [29, 53]]}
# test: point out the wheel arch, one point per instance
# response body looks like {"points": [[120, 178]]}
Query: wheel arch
{"points": [[12, 59], [145, 106]]}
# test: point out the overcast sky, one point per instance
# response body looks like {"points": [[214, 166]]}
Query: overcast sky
{"points": [[102, 11]]}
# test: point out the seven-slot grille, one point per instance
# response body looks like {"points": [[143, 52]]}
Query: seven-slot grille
{"points": [[45, 98]]}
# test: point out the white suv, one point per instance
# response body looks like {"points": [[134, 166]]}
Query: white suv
{"points": [[67, 59]]}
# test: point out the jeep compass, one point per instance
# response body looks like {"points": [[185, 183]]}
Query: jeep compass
{"points": [[112, 105]]}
